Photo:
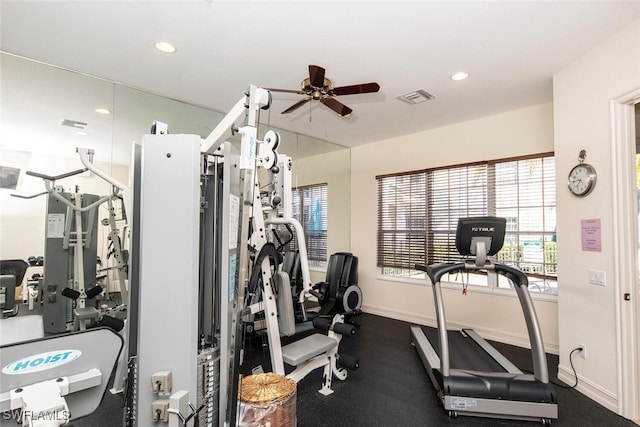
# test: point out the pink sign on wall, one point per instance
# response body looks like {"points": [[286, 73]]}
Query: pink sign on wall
{"points": [[591, 235]]}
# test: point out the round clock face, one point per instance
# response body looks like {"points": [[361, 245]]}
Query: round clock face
{"points": [[582, 179]]}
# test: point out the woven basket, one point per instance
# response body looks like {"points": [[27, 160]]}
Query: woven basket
{"points": [[267, 400]]}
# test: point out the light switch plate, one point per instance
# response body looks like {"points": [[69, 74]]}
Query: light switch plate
{"points": [[597, 277]]}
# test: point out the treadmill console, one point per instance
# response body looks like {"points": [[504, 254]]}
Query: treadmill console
{"points": [[489, 230]]}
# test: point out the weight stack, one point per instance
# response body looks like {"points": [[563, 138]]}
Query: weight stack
{"points": [[209, 387]]}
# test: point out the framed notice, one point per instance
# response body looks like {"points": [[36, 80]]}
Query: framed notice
{"points": [[591, 235], [55, 226]]}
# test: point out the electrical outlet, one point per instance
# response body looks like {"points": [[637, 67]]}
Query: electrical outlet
{"points": [[583, 352], [160, 410], [161, 382]]}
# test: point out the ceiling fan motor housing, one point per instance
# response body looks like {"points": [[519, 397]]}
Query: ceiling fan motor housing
{"points": [[325, 93]]}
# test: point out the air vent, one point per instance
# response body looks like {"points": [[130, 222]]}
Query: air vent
{"points": [[416, 97], [73, 124]]}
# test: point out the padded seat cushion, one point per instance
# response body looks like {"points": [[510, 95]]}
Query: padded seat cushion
{"points": [[306, 348]]}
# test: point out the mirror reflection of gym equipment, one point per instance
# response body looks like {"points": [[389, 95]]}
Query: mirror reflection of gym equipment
{"points": [[69, 284]]}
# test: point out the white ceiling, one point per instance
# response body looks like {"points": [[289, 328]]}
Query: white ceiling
{"points": [[511, 49]]}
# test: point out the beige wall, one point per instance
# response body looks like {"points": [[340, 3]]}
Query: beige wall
{"points": [[587, 315], [519, 132], [331, 168]]}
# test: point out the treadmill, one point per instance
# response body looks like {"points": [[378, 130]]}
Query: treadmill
{"points": [[470, 376]]}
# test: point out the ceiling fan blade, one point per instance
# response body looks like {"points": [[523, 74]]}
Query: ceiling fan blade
{"points": [[316, 76], [299, 92], [354, 89], [296, 105], [336, 106]]}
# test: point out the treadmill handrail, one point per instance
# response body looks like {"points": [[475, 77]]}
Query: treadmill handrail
{"points": [[520, 279], [521, 282], [436, 271]]}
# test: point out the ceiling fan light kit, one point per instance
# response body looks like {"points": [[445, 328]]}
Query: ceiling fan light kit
{"points": [[317, 87]]}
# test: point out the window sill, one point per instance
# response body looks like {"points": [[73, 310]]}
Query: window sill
{"points": [[419, 282], [499, 291], [471, 288]]}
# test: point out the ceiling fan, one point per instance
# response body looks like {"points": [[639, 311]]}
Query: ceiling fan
{"points": [[319, 88]]}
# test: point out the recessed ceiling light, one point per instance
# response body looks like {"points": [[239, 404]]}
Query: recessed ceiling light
{"points": [[165, 47], [81, 133], [459, 76], [103, 111]]}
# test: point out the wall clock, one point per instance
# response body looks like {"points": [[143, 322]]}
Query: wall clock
{"points": [[582, 177]]}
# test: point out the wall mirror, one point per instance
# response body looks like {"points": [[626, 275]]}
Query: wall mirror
{"points": [[47, 112]]}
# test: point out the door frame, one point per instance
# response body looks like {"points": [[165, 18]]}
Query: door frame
{"points": [[625, 245]]}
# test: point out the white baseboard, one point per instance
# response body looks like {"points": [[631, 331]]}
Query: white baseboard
{"points": [[392, 314], [604, 397], [489, 334]]}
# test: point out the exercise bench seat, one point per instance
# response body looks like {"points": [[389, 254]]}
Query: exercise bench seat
{"points": [[306, 348], [312, 352]]}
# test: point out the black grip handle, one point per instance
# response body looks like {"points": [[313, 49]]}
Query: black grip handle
{"points": [[322, 323], [110, 322], [92, 292], [420, 267], [344, 329], [70, 293], [348, 362]]}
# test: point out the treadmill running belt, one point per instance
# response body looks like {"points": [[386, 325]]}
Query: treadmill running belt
{"points": [[464, 353]]}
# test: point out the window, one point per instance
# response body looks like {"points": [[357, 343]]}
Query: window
{"points": [[418, 214], [453, 193], [401, 223], [309, 205], [524, 192]]}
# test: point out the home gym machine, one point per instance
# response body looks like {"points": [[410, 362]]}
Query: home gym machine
{"points": [[339, 293], [189, 268], [269, 289], [70, 262], [469, 375], [199, 240]]}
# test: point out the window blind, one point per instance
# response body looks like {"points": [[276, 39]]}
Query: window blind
{"points": [[309, 207], [524, 193], [313, 200], [453, 193], [418, 212], [402, 220]]}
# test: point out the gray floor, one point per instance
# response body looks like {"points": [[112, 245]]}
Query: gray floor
{"points": [[391, 388]]}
